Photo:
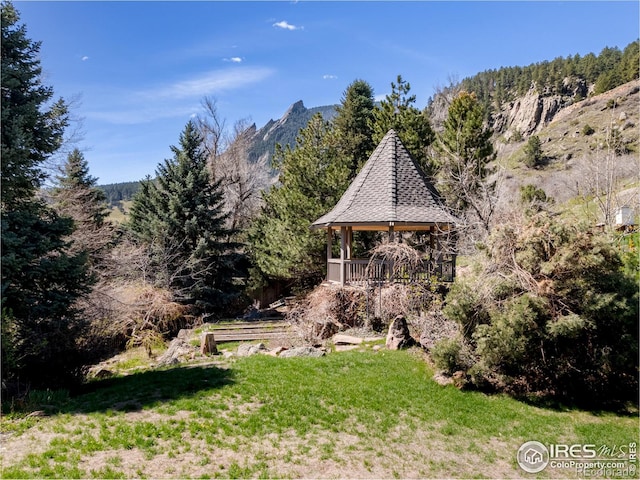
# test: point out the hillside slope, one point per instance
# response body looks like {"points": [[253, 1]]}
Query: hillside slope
{"points": [[593, 138]]}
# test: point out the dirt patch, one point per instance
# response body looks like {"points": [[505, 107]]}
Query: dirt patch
{"points": [[15, 448], [409, 450]]}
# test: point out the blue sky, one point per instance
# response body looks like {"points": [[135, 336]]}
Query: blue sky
{"points": [[138, 71]]}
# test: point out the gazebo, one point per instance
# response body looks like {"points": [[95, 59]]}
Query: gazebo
{"points": [[391, 194]]}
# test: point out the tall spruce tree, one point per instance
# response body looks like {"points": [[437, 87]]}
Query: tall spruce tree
{"points": [[76, 195], [354, 129], [353, 124], [41, 279], [465, 150], [313, 176], [397, 111], [179, 215]]}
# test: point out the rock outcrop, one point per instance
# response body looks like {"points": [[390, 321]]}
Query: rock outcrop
{"points": [[179, 350], [528, 114]]}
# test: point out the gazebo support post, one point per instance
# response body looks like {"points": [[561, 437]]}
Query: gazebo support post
{"points": [[393, 237], [343, 251], [346, 241]]}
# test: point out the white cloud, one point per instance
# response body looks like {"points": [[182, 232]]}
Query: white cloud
{"points": [[210, 83], [137, 114], [178, 99], [329, 77], [85, 58], [233, 60], [287, 26]]}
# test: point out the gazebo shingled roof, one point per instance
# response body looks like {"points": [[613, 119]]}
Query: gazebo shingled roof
{"points": [[390, 190]]}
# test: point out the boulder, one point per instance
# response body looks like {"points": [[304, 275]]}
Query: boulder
{"points": [[442, 379], [208, 344], [345, 348], [103, 373], [178, 350], [399, 336], [460, 379], [302, 352], [276, 351], [247, 349], [184, 333]]}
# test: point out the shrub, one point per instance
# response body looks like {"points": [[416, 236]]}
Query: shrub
{"points": [[326, 310], [482, 377], [433, 326], [530, 193], [450, 355], [507, 343], [535, 199], [628, 245], [587, 130], [561, 314], [465, 307]]}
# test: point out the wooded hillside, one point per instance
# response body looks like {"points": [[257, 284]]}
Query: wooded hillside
{"points": [[575, 77]]}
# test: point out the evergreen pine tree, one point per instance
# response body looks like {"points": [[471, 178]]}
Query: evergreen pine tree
{"points": [[353, 124], [465, 150], [397, 112], [630, 62], [533, 152], [77, 196], [180, 216], [41, 279]]}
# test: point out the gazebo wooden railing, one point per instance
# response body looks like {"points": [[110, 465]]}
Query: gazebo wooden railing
{"points": [[362, 271]]}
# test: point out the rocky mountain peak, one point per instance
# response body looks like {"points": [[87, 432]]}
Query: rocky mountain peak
{"points": [[295, 109]]}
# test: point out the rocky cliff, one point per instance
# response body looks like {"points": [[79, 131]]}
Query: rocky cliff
{"points": [[284, 130], [527, 114]]}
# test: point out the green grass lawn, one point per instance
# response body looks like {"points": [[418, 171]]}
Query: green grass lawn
{"points": [[350, 414]]}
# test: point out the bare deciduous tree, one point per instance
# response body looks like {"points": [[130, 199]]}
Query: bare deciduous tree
{"points": [[228, 154], [211, 127], [242, 179]]}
